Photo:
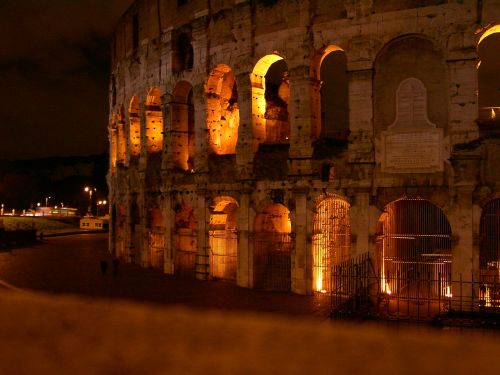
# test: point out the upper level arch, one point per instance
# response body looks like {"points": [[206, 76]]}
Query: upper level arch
{"points": [[409, 56], [134, 126], [183, 127], [154, 121], [182, 51], [270, 99], [329, 94], [223, 115], [488, 78]]}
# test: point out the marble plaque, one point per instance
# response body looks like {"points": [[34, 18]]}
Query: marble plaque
{"points": [[411, 144], [412, 151]]}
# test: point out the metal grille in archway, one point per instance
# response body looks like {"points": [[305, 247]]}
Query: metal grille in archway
{"points": [[223, 241], [415, 250], [272, 261], [489, 255], [185, 252], [157, 246], [331, 240]]}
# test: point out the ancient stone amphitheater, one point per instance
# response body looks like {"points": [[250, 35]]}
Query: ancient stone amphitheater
{"points": [[278, 143]]}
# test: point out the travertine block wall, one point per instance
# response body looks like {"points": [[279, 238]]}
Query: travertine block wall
{"points": [[384, 42]]}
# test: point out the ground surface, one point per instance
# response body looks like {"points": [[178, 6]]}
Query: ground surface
{"points": [[48, 333], [70, 264]]}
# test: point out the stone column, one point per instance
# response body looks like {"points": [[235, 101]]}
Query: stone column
{"points": [[300, 120], [245, 263], [244, 153], [202, 252], [201, 139], [465, 259], [143, 154], [361, 114], [166, 162], [463, 99], [359, 215], [301, 262], [168, 214], [141, 228]]}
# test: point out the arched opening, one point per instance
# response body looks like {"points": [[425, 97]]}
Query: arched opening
{"points": [[223, 239], [331, 240], [272, 249], [330, 94], [184, 240], [270, 99], [156, 238], [223, 115], [134, 127], [488, 78], [414, 251], [415, 57], [182, 53], [154, 122], [121, 136], [489, 254], [183, 133]]}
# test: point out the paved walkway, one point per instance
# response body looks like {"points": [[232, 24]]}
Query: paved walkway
{"points": [[71, 265]]}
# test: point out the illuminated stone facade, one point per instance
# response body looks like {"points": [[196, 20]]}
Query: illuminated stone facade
{"points": [[261, 142]]}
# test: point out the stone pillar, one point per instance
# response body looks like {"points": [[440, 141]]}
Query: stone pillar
{"points": [[143, 154], [201, 139], [202, 215], [359, 215], [463, 271], [301, 252], [465, 260], [166, 162], [463, 100], [245, 262], [361, 114], [141, 228], [244, 153], [300, 120], [168, 214]]}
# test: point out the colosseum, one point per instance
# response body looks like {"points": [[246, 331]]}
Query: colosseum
{"points": [[269, 143]]}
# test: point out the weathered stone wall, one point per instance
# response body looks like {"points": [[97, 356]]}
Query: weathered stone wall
{"points": [[385, 43]]}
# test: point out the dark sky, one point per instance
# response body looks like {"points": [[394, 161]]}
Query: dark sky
{"points": [[54, 71]]}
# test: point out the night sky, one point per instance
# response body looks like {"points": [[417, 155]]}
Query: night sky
{"points": [[54, 72]]}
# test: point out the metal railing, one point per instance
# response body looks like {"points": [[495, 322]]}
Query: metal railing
{"points": [[360, 291]]}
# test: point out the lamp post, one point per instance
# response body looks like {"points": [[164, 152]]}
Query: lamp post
{"points": [[90, 191], [47, 200]]}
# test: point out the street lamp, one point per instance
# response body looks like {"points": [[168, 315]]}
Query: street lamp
{"points": [[99, 204], [89, 190], [47, 200]]}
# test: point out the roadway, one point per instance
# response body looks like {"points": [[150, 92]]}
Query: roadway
{"points": [[71, 265]]}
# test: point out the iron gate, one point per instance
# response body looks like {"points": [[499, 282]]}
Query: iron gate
{"points": [[223, 247], [185, 252], [489, 255], [272, 261], [331, 240]]}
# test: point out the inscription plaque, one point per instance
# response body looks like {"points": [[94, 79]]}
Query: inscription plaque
{"points": [[412, 144]]}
